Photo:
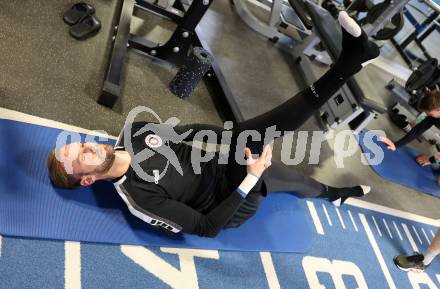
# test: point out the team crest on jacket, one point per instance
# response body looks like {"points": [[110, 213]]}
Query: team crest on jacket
{"points": [[153, 141]]}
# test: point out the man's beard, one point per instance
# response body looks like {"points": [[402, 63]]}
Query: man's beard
{"points": [[108, 161]]}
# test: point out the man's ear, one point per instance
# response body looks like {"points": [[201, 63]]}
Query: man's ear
{"points": [[87, 180]]}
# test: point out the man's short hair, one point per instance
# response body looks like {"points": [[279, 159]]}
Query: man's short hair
{"points": [[430, 101], [58, 174]]}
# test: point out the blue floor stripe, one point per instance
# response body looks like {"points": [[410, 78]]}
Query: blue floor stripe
{"points": [[26, 263]]}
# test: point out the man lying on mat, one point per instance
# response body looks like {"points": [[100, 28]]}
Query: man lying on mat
{"points": [[220, 195], [430, 105]]}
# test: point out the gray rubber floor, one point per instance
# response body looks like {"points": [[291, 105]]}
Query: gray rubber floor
{"points": [[44, 72], [47, 73]]}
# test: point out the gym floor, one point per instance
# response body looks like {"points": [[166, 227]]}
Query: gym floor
{"points": [[46, 73]]}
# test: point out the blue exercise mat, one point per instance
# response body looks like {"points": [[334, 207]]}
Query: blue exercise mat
{"points": [[31, 207], [400, 167]]}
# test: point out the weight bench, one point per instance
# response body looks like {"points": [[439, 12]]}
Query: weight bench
{"points": [[172, 53], [349, 105]]}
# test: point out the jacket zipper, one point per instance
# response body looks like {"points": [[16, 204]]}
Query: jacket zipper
{"points": [[156, 176]]}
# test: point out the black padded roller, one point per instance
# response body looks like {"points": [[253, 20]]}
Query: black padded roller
{"points": [[191, 73]]}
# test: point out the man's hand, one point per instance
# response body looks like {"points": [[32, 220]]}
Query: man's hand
{"points": [[438, 181], [423, 160], [258, 166], [388, 142]]}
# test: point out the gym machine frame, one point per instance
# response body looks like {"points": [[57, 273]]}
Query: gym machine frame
{"points": [[173, 52], [362, 113], [429, 25], [285, 16]]}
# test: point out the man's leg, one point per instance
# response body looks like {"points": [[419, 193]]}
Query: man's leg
{"points": [[280, 178], [419, 262], [433, 250], [289, 116]]}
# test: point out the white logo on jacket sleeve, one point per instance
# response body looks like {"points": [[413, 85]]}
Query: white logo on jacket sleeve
{"points": [[153, 141]]}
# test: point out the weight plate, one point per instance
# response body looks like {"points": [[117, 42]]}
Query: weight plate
{"points": [[423, 74], [390, 29]]}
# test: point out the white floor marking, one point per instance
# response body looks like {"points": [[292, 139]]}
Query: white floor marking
{"points": [[269, 269], [326, 214], [398, 232], [388, 228], [426, 236], [393, 212], [377, 226], [352, 220], [417, 234], [340, 218], [27, 118], [438, 277], [377, 252], [72, 267], [183, 276], [410, 238], [432, 233], [315, 218]]}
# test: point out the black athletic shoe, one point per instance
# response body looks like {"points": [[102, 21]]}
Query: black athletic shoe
{"points": [[410, 263], [358, 191]]}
